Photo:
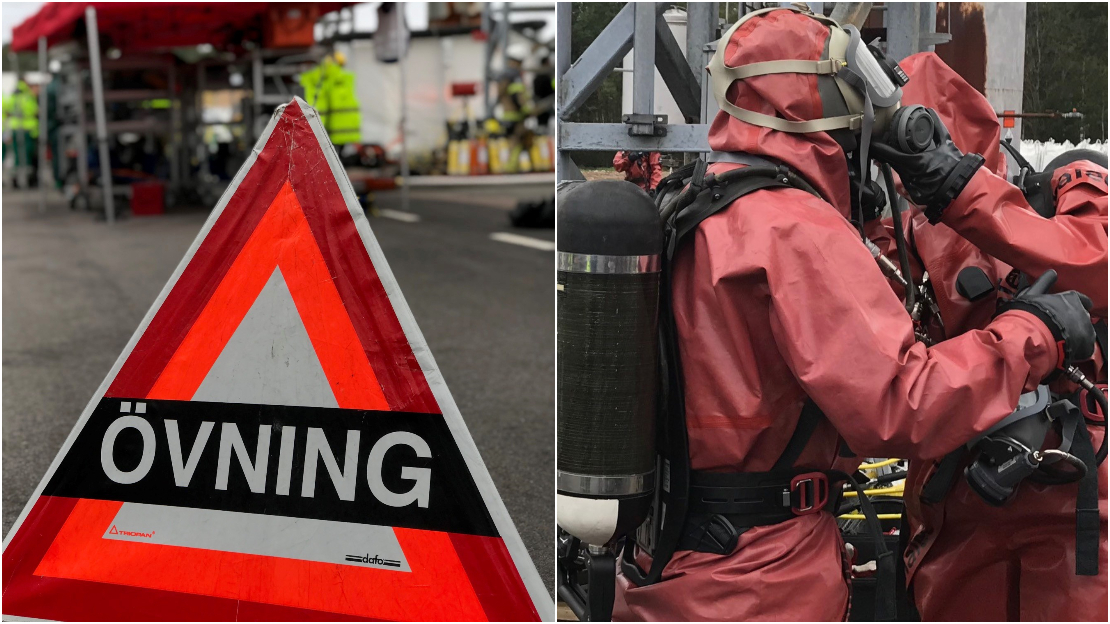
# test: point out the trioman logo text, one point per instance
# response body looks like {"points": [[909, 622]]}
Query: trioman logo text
{"points": [[115, 531], [373, 560]]}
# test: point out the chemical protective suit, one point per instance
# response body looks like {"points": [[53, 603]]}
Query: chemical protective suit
{"points": [[775, 300], [969, 560], [640, 168]]}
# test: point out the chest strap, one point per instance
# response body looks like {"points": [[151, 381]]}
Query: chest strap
{"points": [[714, 199]]}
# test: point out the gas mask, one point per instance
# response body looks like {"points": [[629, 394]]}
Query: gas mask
{"points": [[868, 86], [860, 90]]}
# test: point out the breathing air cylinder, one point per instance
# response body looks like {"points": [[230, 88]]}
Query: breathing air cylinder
{"points": [[610, 246]]}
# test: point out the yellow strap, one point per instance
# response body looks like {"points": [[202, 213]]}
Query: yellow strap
{"points": [[823, 124], [859, 516], [894, 491], [825, 67], [885, 462]]}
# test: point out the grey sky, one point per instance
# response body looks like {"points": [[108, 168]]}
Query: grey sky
{"points": [[14, 13]]}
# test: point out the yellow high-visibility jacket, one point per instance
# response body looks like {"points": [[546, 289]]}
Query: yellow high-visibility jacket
{"points": [[330, 89], [25, 102]]}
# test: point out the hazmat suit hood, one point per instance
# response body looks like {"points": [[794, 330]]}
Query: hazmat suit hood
{"points": [[969, 117], [784, 35]]}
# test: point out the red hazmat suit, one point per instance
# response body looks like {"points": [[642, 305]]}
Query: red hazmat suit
{"points": [[776, 299], [968, 560], [645, 172]]}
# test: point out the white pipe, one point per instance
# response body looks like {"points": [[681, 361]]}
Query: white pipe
{"points": [[98, 110], [399, 11], [42, 126]]}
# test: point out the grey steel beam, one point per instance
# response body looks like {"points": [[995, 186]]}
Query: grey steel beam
{"points": [[600, 137], [901, 19], [98, 110], [854, 13], [911, 28], [41, 177], [566, 168], [403, 62], [676, 73], [643, 68], [930, 38], [606, 52], [701, 25], [562, 38]]}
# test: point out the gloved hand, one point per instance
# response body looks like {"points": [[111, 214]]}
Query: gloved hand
{"points": [[935, 177], [1065, 314]]}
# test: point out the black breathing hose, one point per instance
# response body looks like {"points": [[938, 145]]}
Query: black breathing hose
{"points": [[900, 238], [1078, 377]]}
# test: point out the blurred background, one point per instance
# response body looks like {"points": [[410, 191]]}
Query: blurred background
{"points": [[445, 87], [125, 122]]}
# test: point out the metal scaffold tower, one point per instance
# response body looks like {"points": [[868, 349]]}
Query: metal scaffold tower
{"points": [[640, 27]]}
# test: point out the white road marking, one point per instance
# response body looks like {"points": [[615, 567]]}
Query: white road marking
{"points": [[399, 215], [524, 241]]}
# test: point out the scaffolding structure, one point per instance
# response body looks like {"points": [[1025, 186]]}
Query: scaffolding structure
{"points": [[641, 28], [169, 115]]}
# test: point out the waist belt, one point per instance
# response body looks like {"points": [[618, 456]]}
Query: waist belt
{"points": [[722, 506]]}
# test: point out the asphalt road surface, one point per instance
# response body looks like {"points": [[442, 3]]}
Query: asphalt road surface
{"points": [[75, 289]]}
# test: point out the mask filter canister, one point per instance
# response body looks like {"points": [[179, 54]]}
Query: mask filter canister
{"points": [[912, 129]]}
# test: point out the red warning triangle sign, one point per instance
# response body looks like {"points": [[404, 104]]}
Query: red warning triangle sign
{"points": [[276, 441]]}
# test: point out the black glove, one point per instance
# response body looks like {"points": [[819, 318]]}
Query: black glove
{"points": [[935, 177], [874, 200], [1065, 314]]}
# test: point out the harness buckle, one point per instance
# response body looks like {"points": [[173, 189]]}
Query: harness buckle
{"points": [[809, 493]]}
